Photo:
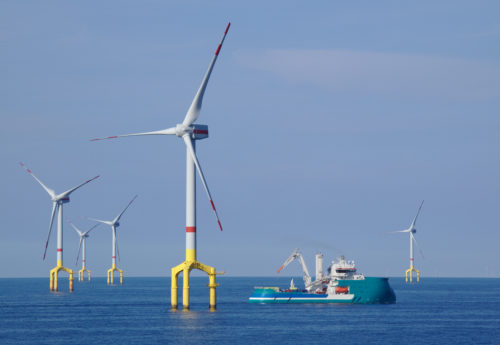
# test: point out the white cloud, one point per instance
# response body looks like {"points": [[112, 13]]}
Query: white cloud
{"points": [[416, 76]]}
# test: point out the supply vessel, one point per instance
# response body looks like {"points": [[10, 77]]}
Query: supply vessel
{"points": [[341, 284]]}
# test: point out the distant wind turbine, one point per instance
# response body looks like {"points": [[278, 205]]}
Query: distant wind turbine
{"points": [[115, 223], [57, 205], [81, 246], [411, 231]]}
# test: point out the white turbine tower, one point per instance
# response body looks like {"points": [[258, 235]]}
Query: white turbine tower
{"points": [[82, 247], [57, 200], [190, 132], [115, 223], [411, 231]]}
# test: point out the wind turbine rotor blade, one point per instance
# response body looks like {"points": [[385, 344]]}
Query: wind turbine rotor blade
{"points": [[393, 232], [76, 229], [418, 246], [54, 207], [119, 216], [168, 131], [47, 189], [418, 212], [92, 228], [195, 108], [69, 191], [79, 248], [101, 221], [189, 145]]}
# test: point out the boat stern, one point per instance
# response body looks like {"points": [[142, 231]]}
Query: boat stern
{"points": [[370, 290]]}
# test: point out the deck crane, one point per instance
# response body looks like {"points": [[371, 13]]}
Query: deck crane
{"points": [[296, 255]]}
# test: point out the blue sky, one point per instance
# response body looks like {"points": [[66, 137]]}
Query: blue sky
{"points": [[329, 123]]}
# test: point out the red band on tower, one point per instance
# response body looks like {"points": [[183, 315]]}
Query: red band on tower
{"points": [[59, 249], [190, 228]]}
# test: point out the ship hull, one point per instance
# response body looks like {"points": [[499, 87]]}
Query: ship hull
{"points": [[370, 290]]}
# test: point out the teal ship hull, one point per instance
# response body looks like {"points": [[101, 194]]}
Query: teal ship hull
{"points": [[370, 290]]}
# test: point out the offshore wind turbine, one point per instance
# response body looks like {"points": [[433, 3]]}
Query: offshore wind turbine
{"points": [[115, 223], [190, 132], [81, 246], [57, 206], [411, 231]]}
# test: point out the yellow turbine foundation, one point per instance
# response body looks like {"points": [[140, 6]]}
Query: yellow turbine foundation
{"points": [[409, 273], [186, 267], [111, 274], [54, 276], [80, 274]]}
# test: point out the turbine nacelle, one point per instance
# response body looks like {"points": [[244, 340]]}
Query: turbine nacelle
{"points": [[195, 131], [64, 200], [199, 132], [413, 231]]}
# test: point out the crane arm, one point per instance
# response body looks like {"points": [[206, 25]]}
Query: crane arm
{"points": [[290, 259], [296, 254], [307, 277]]}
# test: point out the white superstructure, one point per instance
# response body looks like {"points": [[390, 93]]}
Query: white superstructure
{"points": [[340, 269]]}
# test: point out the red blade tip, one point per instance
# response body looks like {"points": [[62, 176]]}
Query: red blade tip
{"points": [[25, 167], [111, 137]]}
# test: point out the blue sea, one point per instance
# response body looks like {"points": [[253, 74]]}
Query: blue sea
{"points": [[436, 311]]}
